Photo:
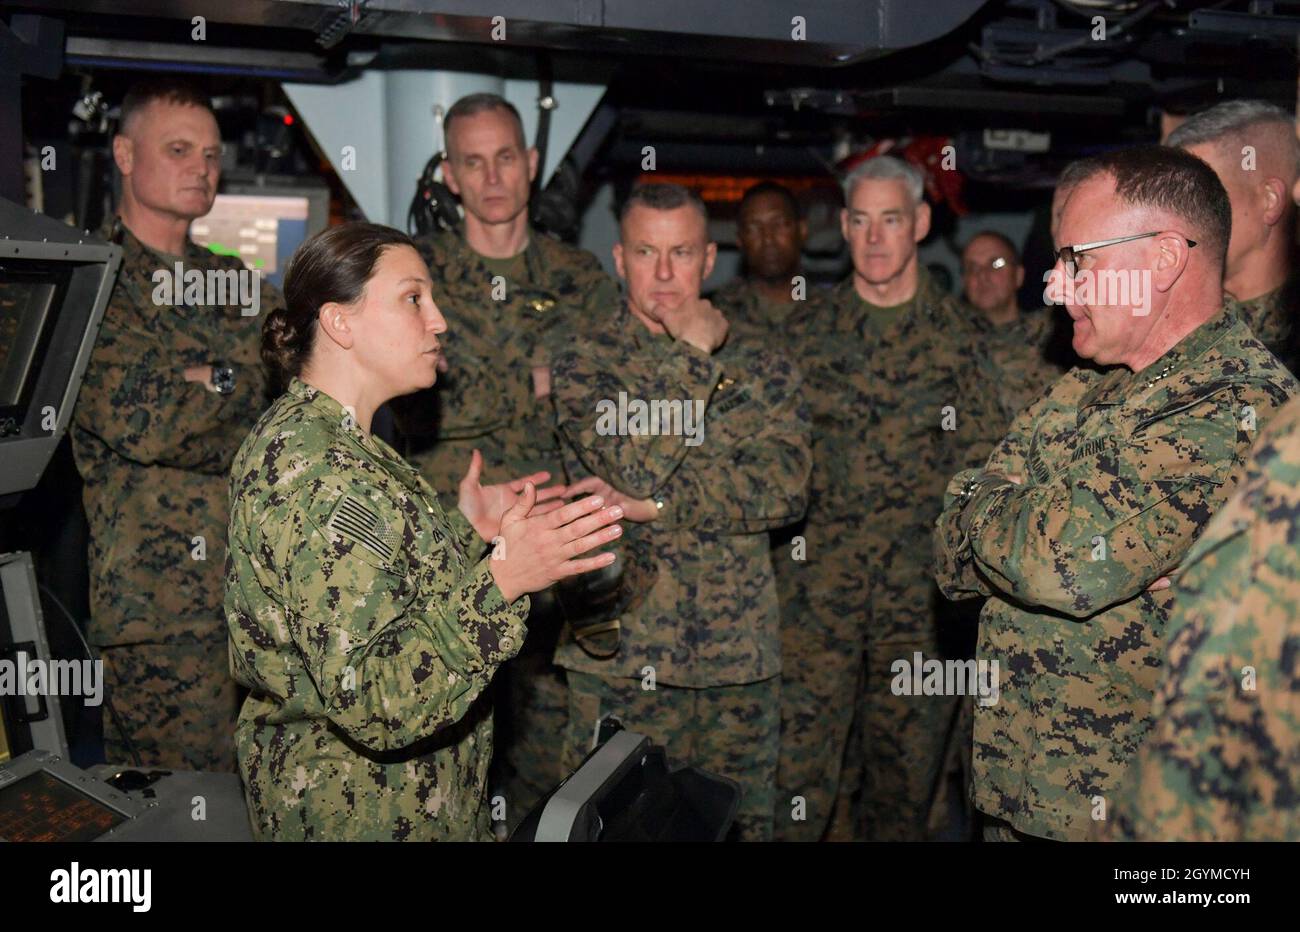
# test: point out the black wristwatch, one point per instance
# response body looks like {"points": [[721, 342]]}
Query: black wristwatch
{"points": [[969, 488], [223, 378]]}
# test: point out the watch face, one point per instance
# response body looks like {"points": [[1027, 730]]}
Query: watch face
{"points": [[223, 379]]}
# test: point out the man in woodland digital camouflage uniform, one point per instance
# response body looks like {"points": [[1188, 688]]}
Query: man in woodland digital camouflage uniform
{"points": [[906, 399], [694, 659], [1222, 759], [1252, 147], [174, 384], [511, 296], [1100, 488], [1017, 340]]}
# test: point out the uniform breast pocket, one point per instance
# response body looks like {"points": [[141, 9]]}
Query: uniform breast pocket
{"points": [[926, 407], [733, 415], [437, 562]]}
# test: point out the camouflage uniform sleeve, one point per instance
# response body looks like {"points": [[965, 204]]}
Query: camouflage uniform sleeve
{"points": [[1101, 529], [582, 385], [1227, 711], [136, 401], [954, 570], [398, 641], [760, 486], [981, 421]]}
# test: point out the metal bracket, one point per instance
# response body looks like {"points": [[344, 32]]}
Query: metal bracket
{"points": [[337, 26]]}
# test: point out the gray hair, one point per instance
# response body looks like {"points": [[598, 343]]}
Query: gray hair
{"points": [[887, 168], [1229, 121], [1075, 172]]}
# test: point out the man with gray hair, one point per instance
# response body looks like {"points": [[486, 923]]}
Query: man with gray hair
{"points": [[917, 402], [1252, 147], [171, 389], [1093, 499]]}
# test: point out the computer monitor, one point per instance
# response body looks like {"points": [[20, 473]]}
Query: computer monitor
{"points": [[41, 807], [54, 284], [27, 293], [263, 224], [45, 798]]}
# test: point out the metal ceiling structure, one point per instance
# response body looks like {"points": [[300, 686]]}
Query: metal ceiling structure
{"points": [[727, 81]]}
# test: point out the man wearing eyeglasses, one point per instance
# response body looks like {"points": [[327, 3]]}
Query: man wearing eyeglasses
{"points": [[1094, 497], [1252, 147], [1017, 341]]}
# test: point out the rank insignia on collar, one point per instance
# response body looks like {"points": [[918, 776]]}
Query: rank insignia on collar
{"points": [[1160, 375], [541, 305], [726, 383]]}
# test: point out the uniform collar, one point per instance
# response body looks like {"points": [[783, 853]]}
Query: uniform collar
{"points": [[534, 261], [330, 409], [117, 231], [1119, 384], [984, 325], [927, 292], [925, 302], [743, 292]]}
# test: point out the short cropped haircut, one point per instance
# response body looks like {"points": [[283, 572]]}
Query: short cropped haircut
{"points": [[471, 104], [1073, 173], [887, 168], [1012, 253], [1231, 121], [771, 187], [169, 89], [1175, 181], [662, 197]]}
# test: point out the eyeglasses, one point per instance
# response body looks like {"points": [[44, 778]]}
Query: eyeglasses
{"points": [[992, 265], [1068, 255]]}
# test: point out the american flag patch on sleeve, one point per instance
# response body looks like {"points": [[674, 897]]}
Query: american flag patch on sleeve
{"points": [[358, 522]]}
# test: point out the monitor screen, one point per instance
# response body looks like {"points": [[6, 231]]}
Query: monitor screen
{"points": [[261, 229], [41, 807], [27, 302]]}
